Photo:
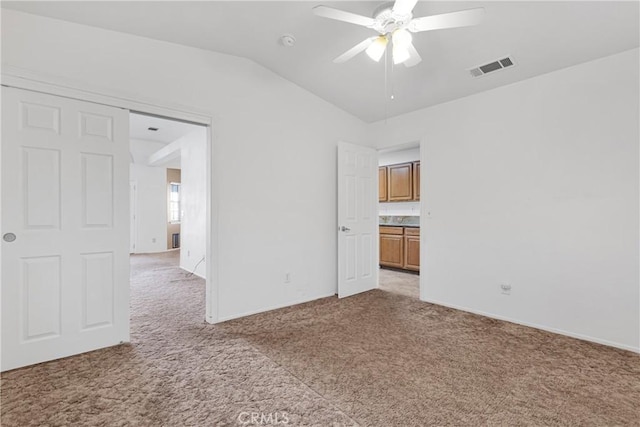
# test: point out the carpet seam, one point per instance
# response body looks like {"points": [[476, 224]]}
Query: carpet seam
{"points": [[306, 385]]}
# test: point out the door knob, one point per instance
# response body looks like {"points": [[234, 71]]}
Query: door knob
{"points": [[345, 229], [9, 237]]}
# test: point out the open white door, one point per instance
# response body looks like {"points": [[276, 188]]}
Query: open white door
{"points": [[357, 219], [65, 227]]}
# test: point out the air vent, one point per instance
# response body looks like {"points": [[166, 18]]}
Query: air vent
{"points": [[491, 67]]}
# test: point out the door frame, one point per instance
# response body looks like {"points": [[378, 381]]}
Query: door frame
{"points": [[38, 82], [133, 222]]}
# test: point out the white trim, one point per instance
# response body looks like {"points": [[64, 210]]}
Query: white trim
{"points": [[56, 85], [39, 82], [424, 232], [536, 326], [275, 307], [212, 292], [193, 273]]}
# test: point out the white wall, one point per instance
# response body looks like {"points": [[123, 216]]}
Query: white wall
{"points": [[535, 183], [274, 148], [193, 225], [151, 207], [392, 157], [399, 209]]}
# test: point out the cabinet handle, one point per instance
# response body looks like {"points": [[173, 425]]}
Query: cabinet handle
{"points": [[345, 229]]}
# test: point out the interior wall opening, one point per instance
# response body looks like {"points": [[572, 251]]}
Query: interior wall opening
{"points": [[168, 184], [399, 219]]}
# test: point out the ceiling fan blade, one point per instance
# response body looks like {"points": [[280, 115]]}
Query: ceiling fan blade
{"points": [[341, 15], [414, 56], [363, 45], [404, 7], [463, 18]]}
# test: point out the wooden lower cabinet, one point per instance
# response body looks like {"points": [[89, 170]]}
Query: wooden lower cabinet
{"points": [[412, 249], [400, 247], [392, 246]]}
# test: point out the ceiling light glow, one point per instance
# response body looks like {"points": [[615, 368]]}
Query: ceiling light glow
{"points": [[401, 41], [376, 49]]}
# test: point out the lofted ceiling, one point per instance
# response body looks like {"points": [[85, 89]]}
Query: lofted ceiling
{"points": [[540, 37]]}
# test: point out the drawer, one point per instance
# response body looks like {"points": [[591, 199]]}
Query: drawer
{"points": [[412, 231], [391, 230]]}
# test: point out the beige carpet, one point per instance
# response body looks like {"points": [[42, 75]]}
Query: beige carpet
{"points": [[378, 359]]}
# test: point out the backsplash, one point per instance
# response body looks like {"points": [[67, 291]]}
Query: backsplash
{"points": [[399, 209], [399, 220]]}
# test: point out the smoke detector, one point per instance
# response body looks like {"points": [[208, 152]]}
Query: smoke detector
{"points": [[287, 40]]}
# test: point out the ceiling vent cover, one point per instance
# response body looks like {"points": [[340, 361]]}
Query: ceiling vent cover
{"points": [[490, 67]]}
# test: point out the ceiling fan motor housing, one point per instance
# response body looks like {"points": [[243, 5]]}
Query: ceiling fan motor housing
{"points": [[386, 21]]}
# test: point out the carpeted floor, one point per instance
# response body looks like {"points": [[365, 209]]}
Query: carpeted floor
{"points": [[376, 359]]}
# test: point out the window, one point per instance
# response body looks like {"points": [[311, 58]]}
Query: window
{"points": [[174, 202]]}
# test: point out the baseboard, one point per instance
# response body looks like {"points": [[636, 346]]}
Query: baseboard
{"points": [[193, 272], [275, 307], [536, 326]]}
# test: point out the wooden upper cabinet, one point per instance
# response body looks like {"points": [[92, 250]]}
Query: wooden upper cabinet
{"points": [[400, 182], [382, 184], [416, 180]]}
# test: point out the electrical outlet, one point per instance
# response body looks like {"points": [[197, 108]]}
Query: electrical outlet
{"points": [[287, 277], [505, 288]]}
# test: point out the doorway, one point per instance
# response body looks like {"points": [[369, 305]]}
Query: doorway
{"points": [[97, 200], [399, 220], [168, 182]]}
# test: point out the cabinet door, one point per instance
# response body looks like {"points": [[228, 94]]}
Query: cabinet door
{"points": [[400, 182], [391, 250], [382, 184], [412, 253], [416, 180]]}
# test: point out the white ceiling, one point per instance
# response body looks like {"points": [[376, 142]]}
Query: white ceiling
{"points": [[540, 36], [168, 130]]}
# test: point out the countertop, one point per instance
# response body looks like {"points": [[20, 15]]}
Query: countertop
{"points": [[412, 221]]}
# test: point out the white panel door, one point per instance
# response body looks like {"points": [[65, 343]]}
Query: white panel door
{"points": [[65, 227], [357, 219]]}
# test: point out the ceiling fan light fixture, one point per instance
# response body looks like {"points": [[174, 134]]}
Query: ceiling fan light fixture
{"points": [[401, 41], [400, 54], [402, 38], [376, 49]]}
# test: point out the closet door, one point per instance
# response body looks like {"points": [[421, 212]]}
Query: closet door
{"points": [[65, 227]]}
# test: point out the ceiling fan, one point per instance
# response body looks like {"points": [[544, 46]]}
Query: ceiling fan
{"points": [[395, 22]]}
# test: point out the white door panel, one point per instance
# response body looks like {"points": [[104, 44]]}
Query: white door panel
{"points": [[65, 196], [357, 219]]}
